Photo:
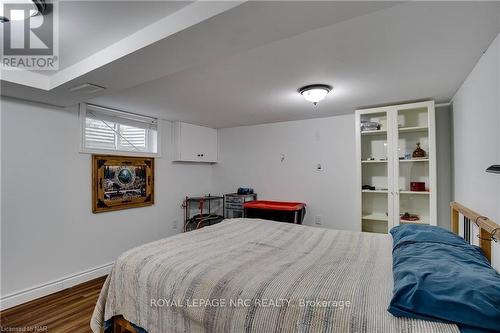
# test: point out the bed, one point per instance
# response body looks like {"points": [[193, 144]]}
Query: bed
{"points": [[249, 275]]}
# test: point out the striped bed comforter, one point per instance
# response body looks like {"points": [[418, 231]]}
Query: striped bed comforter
{"points": [[249, 275]]}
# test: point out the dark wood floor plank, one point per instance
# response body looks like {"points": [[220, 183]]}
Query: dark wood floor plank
{"points": [[65, 311]]}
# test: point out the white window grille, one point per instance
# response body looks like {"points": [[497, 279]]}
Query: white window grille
{"points": [[112, 130]]}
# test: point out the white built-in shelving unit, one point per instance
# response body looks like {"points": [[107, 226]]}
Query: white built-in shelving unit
{"points": [[385, 162]]}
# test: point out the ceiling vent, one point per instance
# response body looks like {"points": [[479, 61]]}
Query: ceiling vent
{"points": [[87, 88]]}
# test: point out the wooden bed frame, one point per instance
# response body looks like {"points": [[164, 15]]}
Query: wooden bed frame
{"points": [[121, 325], [489, 232]]}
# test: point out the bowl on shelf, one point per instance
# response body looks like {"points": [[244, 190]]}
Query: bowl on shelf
{"points": [[410, 217]]}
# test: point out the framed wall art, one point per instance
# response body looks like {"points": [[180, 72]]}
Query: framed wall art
{"points": [[121, 182]]}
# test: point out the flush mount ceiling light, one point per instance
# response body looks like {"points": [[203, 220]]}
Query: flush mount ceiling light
{"points": [[315, 92], [37, 7]]}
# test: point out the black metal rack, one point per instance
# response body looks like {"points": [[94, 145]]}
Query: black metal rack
{"points": [[205, 216]]}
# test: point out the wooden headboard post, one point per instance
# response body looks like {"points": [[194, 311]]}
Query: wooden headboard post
{"points": [[487, 228], [121, 325], [454, 219]]}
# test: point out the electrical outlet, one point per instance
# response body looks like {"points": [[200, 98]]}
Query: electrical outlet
{"points": [[317, 220], [174, 224], [319, 167]]}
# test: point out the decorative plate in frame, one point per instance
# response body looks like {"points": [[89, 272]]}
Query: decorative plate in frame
{"points": [[121, 182]]}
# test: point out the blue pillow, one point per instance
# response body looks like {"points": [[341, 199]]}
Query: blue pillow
{"points": [[425, 233], [440, 277]]}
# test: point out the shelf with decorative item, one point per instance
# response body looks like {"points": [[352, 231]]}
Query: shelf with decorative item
{"points": [[416, 216], [421, 220], [415, 160]]}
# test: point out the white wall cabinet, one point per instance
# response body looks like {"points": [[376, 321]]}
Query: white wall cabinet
{"points": [[386, 165], [193, 143]]}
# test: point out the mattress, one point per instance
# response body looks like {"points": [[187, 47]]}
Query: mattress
{"points": [[250, 275]]}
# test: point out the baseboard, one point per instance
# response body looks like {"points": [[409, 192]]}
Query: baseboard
{"points": [[48, 288]]}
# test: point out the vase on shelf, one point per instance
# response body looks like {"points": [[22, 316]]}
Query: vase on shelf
{"points": [[418, 152]]}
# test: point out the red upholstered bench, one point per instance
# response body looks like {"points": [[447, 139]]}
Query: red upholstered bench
{"points": [[291, 212]]}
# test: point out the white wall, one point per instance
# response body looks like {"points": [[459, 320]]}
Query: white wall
{"points": [[48, 230], [476, 127], [250, 156]]}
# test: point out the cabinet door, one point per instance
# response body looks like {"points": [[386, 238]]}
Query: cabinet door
{"points": [[196, 143], [190, 138], [414, 124], [208, 144], [374, 153], [391, 164]]}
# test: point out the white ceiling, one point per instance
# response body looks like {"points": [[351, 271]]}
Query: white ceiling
{"points": [[105, 22], [115, 45], [244, 65]]}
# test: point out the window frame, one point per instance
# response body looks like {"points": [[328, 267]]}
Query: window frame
{"points": [[83, 149]]}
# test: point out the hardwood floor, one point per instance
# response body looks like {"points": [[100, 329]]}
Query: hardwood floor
{"points": [[65, 311]]}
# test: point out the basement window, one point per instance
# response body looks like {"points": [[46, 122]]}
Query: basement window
{"points": [[106, 130]]}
